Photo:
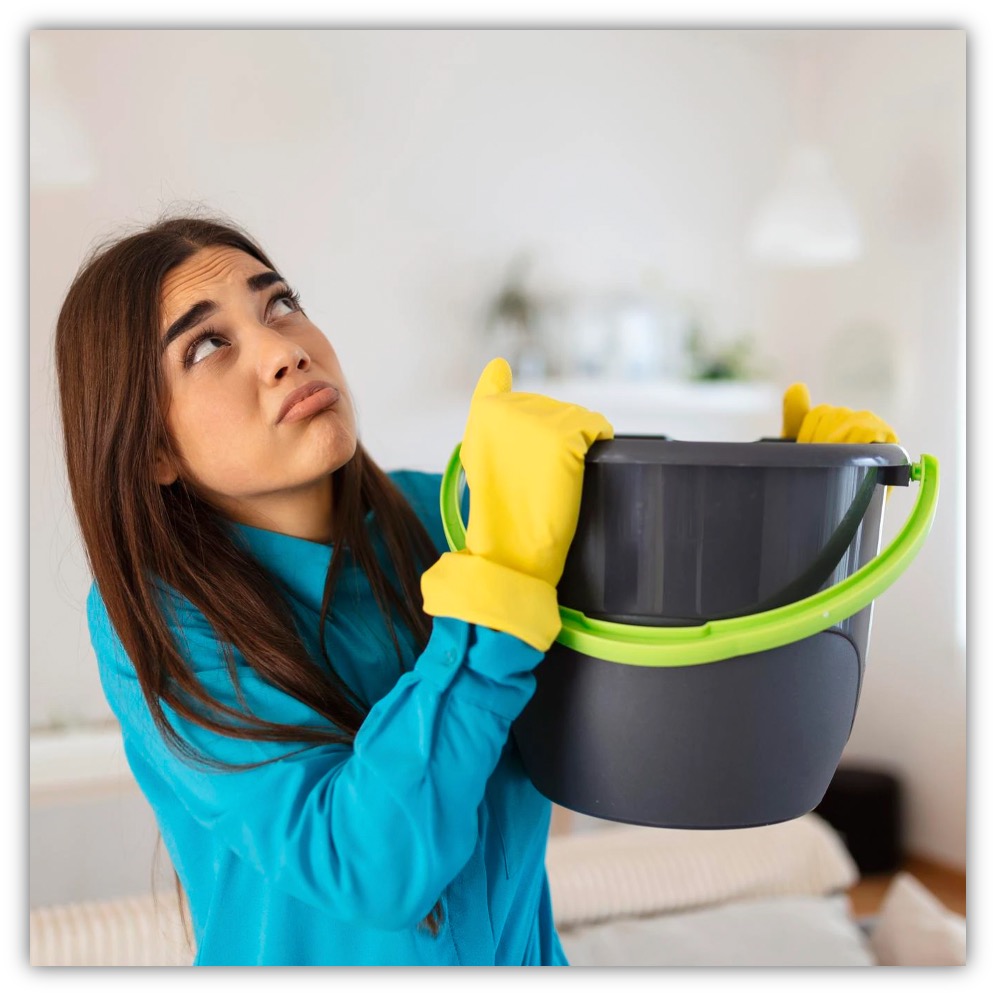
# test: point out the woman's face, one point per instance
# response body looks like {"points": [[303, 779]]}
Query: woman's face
{"points": [[243, 346]]}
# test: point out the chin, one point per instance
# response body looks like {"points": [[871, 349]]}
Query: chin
{"points": [[339, 452]]}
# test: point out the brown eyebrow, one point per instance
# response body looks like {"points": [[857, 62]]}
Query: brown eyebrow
{"points": [[203, 309]]}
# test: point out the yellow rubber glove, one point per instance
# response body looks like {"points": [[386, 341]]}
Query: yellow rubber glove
{"points": [[827, 424], [523, 458]]}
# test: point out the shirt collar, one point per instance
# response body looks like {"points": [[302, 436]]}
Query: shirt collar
{"points": [[292, 559]]}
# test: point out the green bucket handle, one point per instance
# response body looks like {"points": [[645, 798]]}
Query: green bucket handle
{"points": [[678, 646]]}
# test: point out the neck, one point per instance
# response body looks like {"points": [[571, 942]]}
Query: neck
{"points": [[305, 512]]}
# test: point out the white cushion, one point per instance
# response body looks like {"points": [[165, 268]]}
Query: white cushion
{"points": [[134, 930], [790, 931], [914, 928], [636, 871]]}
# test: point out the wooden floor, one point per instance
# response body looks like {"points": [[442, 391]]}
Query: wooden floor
{"points": [[947, 884]]}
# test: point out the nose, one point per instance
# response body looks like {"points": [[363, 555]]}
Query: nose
{"points": [[277, 355]]}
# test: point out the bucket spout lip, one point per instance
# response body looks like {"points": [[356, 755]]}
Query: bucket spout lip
{"points": [[763, 453]]}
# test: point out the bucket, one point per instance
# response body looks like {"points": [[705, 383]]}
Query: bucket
{"points": [[716, 609]]}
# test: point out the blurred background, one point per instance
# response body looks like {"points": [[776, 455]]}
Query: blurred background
{"points": [[669, 226]]}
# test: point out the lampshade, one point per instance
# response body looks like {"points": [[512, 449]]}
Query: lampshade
{"points": [[61, 151], [806, 220]]}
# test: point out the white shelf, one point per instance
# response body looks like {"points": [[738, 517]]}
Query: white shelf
{"points": [[736, 398], [78, 763], [422, 437]]}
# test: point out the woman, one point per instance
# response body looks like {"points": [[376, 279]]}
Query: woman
{"points": [[315, 695]]}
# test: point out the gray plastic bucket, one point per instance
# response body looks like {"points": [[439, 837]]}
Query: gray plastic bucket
{"points": [[676, 539]]}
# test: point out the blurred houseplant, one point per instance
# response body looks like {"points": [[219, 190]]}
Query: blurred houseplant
{"points": [[731, 361], [512, 321]]}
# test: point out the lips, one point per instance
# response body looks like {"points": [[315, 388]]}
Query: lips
{"points": [[307, 400]]}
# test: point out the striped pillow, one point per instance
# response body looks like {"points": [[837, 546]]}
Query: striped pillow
{"points": [[634, 871]]}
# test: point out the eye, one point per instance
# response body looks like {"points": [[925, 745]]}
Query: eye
{"points": [[286, 297], [208, 335], [286, 301]]}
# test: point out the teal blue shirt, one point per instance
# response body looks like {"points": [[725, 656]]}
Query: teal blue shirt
{"points": [[335, 855]]}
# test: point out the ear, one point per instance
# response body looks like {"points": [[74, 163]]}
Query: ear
{"points": [[165, 473]]}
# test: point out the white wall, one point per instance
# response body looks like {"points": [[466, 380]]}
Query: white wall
{"points": [[895, 119], [393, 174]]}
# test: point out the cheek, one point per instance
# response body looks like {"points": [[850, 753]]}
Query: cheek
{"points": [[213, 430]]}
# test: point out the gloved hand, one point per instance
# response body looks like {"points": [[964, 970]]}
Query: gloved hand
{"points": [[523, 458], [827, 424]]}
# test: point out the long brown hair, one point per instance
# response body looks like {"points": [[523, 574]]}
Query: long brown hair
{"points": [[135, 531]]}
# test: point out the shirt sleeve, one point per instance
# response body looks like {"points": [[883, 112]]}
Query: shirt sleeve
{"points": [[371, 832]]}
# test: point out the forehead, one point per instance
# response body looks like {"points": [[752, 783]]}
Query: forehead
{"points": [[204, 275]]}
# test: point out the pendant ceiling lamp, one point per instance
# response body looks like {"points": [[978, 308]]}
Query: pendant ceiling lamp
{"points": [[61, 152], [807, 219]]}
